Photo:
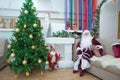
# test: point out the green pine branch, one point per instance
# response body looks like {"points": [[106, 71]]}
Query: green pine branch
{"points": [[95, 27]]}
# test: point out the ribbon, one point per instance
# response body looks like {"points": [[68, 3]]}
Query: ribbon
{"points": [[85, 14], [71, 11], [80, 15], [76, 13], [89, 14]]}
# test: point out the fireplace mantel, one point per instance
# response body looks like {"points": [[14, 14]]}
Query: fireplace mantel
{"points": [[55, 40]]}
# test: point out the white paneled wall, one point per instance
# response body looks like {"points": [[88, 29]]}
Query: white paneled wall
{"points": [[13, 7], [108, 17]]}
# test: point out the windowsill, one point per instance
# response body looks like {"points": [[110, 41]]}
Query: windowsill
{"points": [[78, 31], [6, 29]]}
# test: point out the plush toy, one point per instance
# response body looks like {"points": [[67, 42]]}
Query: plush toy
{"points": [[53, 59], [96, 50]]}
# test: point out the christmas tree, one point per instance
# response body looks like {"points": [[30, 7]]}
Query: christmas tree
{"points": [[27, 47]]}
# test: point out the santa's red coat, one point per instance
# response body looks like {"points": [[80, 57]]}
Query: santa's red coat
{"points": [[49, 57], [89, 52]]}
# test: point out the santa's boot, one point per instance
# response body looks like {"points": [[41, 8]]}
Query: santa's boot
{"points": [[55, 68], [74, 71], [82, 73], [50, 69]]}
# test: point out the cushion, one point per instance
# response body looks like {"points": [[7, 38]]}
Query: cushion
{"points": [[96, 63], [111, 68], [107, 60], [116, 50]]}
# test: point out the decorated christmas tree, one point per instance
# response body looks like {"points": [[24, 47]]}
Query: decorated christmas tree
{"points": [[27, 47]]}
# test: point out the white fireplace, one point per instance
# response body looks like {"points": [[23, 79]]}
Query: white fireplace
{"points": [[63, 46]]}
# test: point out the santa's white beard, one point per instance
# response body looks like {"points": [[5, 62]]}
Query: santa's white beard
{"points": [[86, 42], [52, 53], [53, 56]]}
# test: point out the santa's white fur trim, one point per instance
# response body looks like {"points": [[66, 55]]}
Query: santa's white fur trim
{"points": [[115, 44]]}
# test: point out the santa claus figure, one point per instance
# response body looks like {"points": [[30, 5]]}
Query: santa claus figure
{"points": [[84, 52], [53, 59]]}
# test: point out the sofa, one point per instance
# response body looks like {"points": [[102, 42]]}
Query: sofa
{"points": [[3, 48], [110, 72]]}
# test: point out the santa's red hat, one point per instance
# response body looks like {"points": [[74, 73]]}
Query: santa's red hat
{"points": [[51, 47]]}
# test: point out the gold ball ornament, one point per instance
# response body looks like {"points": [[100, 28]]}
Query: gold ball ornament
{"points": [[26, 11], [9, 46], [24, 26], [35, 13], [27, 73], [31, 36], [33, 47], [41, 72], [45, 44], [29, 3], [15, 76], [16, 40], [47, 62], [35, 25], [32, 7], [24, 62], [12, 55], [38, 34], [8, 61], [39, 61], [17, 30]]}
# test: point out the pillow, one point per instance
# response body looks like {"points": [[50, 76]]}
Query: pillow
{"points": [[116, 50], [95, 51]]}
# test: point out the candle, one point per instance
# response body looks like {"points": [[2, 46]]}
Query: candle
{"points": [[89, 14], [80, 14]]}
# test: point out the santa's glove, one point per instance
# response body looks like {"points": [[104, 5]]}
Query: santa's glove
{"points": [[99, 47]]}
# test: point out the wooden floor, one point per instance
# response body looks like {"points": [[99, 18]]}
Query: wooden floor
{"points": [[59, 74]]}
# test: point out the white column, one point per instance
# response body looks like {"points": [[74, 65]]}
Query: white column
{"points": [[67, 62]]}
